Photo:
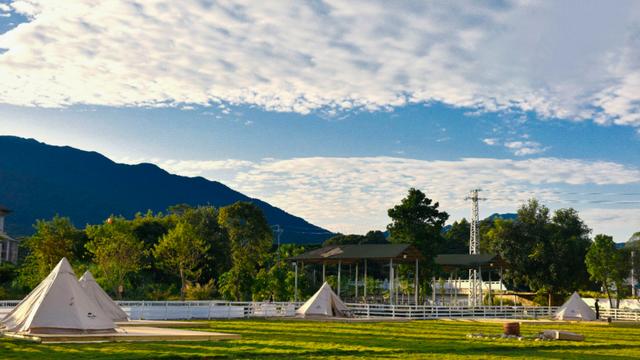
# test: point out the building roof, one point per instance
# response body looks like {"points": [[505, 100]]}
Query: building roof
{"points": [[7, 237], [469, 260], [350, 253]]}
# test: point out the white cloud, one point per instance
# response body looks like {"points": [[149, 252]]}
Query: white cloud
{"points": [[567, 59], [490, 141], [611, 221], [523, 148], [352, 194], [5, 7]]}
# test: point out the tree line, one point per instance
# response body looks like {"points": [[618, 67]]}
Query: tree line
{"points": [[189, 252], [549, 253], [204, 252]]}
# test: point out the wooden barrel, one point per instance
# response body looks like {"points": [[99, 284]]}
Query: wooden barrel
{"points": [[512, 328]]}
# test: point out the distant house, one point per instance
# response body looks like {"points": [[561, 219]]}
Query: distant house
{"points": [[8, 245]]}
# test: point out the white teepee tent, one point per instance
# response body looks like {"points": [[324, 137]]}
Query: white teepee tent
{"points": [[95, 292], [58, 305], [324, 302], [575, 309]]}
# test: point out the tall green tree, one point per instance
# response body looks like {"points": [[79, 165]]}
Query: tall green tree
{"points": [[456, 238], [417, 220], [569, 245], [605, 265], [116, 251], [53, 239], [183, 251], [250, 239], [544, 253], [277, 282], [204, 220]]}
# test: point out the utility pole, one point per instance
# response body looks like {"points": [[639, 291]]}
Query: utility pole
{"points": [[475, 277]]}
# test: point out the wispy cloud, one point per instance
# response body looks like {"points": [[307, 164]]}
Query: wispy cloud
{"points": [[523, 148], [352, 194], [333, 55]]}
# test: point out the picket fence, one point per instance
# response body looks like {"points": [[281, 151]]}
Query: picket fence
{"points": [[186, 310]]}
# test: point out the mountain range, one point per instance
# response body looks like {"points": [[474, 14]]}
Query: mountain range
{"points": [[38, 181]]}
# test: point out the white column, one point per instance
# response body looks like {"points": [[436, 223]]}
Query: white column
{"points": [[501, 292], [391, 277], [339, 267], [356, 281], [295, 286], [365, 280], [324, 266], [490, 298], [480, 279], [415, 288], [433, 286]]}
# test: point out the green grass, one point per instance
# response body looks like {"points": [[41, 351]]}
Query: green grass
{"points": [[289, 339]]}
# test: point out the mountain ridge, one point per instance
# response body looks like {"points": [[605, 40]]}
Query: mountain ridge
{"points": [[39, 180]]}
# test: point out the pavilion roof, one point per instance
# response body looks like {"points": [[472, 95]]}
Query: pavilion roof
{"points": [[351, 253], [468, 261]]}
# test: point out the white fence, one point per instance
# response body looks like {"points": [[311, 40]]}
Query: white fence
{"points": [[620, 314], [185, 310], [174, 310], [437, 312]]}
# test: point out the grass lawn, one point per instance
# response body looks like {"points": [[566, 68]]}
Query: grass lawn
{"points": [[289, 339]]}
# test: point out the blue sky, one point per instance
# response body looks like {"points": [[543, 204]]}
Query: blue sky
{"points": [[331, 110]]}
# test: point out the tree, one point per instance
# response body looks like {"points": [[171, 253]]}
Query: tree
{"points": [[456, 238], [604, 264], [543, 253], [204, 220], [372, 237], [250, 238], [183, 251], [53, 240], [116, 251], [417, 221], [569, 245], [277, 283]]}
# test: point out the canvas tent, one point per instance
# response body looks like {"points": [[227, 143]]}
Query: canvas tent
{"points": [[58, 305], [324, 303], [95, 292], [575, 309]]}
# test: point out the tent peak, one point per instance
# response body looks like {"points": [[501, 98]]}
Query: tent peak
{"points": [[63, 266], [87, 276]]}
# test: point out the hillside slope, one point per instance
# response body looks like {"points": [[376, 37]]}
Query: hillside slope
{"points": [[38, 181]]}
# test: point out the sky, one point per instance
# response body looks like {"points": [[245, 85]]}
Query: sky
{"points": [[331, 110]]}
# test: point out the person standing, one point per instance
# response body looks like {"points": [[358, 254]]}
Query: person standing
{"points": [[597, 306]]}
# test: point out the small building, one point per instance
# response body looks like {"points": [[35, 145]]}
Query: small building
{"points": [[8, 245]]}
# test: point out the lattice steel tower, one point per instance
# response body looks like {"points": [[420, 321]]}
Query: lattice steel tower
{"points": [[475, 278]]}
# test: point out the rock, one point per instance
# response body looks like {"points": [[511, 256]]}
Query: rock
{"points": [[562, 335]]}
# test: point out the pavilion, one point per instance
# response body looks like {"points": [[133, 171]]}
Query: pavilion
{"points": [[393, 254], [480, 262]]}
